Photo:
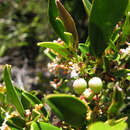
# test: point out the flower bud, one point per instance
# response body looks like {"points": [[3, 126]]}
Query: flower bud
{"points": [[95, 84], [88, 94], [79, 85]]}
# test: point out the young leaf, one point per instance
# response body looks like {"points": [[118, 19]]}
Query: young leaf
{"points": [[68, 21], [103, 18], [83, 48], [68, 108], [43, 126], [55, 21], [11, 92], [70, 40], [87, 6], [56, 47]]}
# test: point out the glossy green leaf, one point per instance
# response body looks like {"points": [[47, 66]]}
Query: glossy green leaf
{"points": [[120, 126], [87, 6], [56, 47], [103, 18], [104, 126], [34, 100], [56, 23], [99, 126], [67, 20], [43, 126], [11, 92], [68, 108]]}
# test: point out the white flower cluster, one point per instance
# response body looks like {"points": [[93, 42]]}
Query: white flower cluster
{"points": [[52, 66], [75, 70], [125, 51]]}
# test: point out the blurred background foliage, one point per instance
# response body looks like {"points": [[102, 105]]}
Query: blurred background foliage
{"points": [[23, 23]]}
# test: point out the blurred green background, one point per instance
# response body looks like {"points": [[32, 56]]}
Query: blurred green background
{"points": [[23, 23]]}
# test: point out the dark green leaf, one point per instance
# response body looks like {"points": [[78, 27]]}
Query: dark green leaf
{"points": [[103, 18], [34, 100], [55, 21], [24, 101], [68, 108], [11, 92], [16, 122]]}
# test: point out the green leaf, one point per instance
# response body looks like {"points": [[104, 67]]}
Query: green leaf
{"points": [[35, 115], [83, 48], [2, 50], [24, 101], [117, 102], [11, 92], [55, 21], [103, 18], [70, 40], [87, 6], [56, 47], [13, 128], [126, 26], [120, 126], [43, 126], [68, 108], [34, 126], [16, 122], [34, 100], [99, 126], [103, 126], [28, 98], [67, 20]]}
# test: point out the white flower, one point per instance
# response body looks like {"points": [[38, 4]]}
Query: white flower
{"points": [[74, 74], [125, 51]]}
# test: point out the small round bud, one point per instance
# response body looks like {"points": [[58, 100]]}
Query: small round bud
{"points": [[79, 86], [88, 94], [95, 84]]}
